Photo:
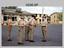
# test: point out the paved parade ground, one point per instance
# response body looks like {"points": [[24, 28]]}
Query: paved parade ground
{"points": [[54, 36]]}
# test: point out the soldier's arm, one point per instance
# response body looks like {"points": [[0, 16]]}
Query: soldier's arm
{"points": [[8, 23], [46, 28], [46, 25], [35, 23]]}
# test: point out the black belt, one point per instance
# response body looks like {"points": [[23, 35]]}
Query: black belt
{"points": [[11, 25], [43, 26], [31, 25]]}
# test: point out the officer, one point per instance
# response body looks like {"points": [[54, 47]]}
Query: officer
{"points": [[9, 26], [32, 24], [21, 24], [27, 29], [44, 28]]}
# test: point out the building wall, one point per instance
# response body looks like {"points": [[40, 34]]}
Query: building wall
{"points": [[54, 19], [39, 18]]}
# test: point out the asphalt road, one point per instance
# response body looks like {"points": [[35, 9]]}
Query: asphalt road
{"points": [[54, 36]]}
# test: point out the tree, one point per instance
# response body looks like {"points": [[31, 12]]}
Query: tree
{"points": [[60, 16], [10, 7], [48, 18]]}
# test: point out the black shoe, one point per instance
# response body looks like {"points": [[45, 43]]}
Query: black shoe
{"points": [[43, 40], [26, 40], [9, 40], [31, 41], [21, 43]]}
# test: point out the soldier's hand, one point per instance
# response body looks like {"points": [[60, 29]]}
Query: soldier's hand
{"points": [[35, 25], [22, 25], [8, 27], [45, 29]]}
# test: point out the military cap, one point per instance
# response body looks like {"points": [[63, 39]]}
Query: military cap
{"points": [[29, 17], [9, 16], [22, 17], [44, 16]]}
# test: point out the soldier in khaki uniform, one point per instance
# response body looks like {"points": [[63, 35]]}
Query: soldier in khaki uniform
{"points": [[21, 25], [10, 26], [27, 29], [32, 24], [44, 28]]}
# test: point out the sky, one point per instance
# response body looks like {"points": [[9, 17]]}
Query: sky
{"points": [[39, 9]]}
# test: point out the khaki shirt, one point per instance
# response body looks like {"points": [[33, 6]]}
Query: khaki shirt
{"points": [[26, 22], [10, 21], [21, 22], [44, 22], [32, 21]]}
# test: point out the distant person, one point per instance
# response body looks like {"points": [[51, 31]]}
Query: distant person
{"points": [[44, 28]]}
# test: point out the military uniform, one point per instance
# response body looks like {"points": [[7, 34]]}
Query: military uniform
{"points": [[20, 23], [27, 29], [32, 25], [44, 22], [9, 27]]}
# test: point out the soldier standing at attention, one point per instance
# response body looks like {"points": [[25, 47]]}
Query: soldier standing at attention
{"points": [[27, 29], [32, 24], [9, 27], [44, 28], [21, 25]]}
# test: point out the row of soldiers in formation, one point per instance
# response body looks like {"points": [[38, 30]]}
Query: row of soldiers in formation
{"points": [[29, 24]]}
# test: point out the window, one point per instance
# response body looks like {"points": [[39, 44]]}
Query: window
{"points": [[54, 16], [54, 20], [36, 15], [14, 18], [44, 14], [40, 15], [40, 20], [5, 17]]}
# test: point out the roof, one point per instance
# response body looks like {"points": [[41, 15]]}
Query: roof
{"points": [[12, 11], [55, 13]]}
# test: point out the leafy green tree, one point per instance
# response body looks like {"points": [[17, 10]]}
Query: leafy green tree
{"points": [[60, 16], [48, 18], [10, 7]]}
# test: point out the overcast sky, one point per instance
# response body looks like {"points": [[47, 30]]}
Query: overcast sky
{"points": [[39, 9]]}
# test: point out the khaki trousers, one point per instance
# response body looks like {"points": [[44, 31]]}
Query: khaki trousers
{"points": [[31, 32], [44, 33], [20, 34], [26, 32], [9, 32]]}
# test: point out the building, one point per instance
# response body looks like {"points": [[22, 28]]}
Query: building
{"points": [[16, 16], [54, 19], [39, 18]]}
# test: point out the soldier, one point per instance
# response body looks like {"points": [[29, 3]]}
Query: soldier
{"points": [[27, 29], [21, 25], [32, 24], [44, 28], [9, 27]]}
